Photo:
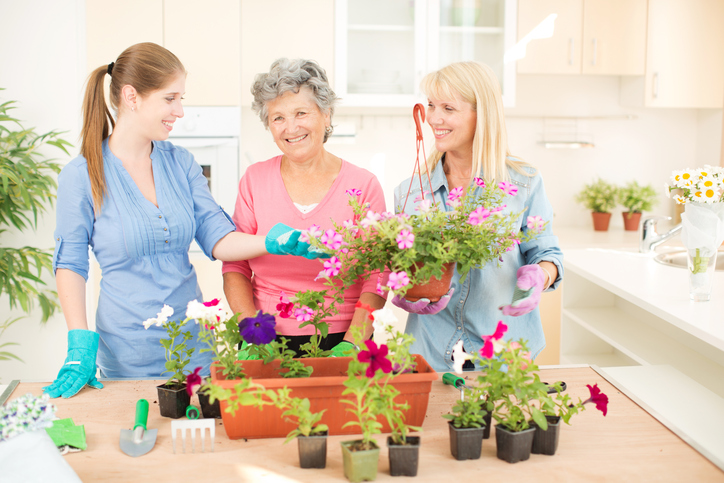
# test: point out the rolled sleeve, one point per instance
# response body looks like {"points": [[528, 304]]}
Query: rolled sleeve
{"points": [[212, 222], [74, 219]]}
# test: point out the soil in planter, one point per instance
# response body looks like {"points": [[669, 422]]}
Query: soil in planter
{"points": [[404, 458], [173, 400]]}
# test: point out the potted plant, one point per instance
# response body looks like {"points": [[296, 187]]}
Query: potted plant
{"points": [[467, 427], [28, 188], [174, 396], [561, 407], [636, 199], [424, 247], [600, 198]]}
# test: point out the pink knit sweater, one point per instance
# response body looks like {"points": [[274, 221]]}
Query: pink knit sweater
{"points": [[262, 202]]}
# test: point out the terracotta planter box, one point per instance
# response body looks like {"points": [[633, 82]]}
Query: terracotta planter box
{"points": [[324, 390]]}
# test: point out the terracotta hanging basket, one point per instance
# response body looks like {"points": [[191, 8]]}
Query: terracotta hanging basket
{"points": [[631, 220], [600, 221], [434, 288]]}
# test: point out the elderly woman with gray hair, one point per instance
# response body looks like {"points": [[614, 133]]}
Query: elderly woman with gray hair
{"points": [[304, 186]]}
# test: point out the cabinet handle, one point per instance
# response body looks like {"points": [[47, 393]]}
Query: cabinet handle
{"points": [[595, 51], [570, 51], [655, 86]]}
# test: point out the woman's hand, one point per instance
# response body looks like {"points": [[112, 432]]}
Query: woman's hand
{"points": [[532, 280], [423, 306]]}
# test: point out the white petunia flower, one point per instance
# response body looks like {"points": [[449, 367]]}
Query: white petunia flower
{"points": [[383, 317], [196, 310], [459, 357]]}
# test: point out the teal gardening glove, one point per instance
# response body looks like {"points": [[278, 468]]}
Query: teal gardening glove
{"points": [[284, 240], [79, 369]]}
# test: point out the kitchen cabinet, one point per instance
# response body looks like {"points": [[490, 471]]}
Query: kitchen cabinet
{"points": [[204, 36], [282, 28], [600, 37], [685, 57], [385, 47]]}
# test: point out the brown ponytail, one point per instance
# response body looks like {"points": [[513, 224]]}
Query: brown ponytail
{"points": [[147, 67]]}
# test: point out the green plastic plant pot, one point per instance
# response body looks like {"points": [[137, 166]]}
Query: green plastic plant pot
{"points": [[359, 465]]}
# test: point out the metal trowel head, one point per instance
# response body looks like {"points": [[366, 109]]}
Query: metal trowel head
{"points": [[139, 441]]}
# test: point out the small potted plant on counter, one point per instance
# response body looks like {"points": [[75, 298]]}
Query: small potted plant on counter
{"points": [[600, 198], [467, 427], [426, 247], [636, 199]]}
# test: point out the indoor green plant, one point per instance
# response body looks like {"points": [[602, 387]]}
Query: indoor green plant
{"points": [[416, 248], [27, 189], [600, 198], [636, 199]]}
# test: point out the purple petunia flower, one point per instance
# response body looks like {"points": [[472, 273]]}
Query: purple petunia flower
{"points": [[405, 239], [376, 357], [258, 330], [193, 380]]}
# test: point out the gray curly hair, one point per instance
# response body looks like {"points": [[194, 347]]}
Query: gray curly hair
{"points": [[291, 75]]}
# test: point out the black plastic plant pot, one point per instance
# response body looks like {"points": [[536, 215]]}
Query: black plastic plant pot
{"points": [[488, 419], [404, 458], [546, 441], [173, 400], [313, 450], [466, 443], [209, 411], [514, 446]]}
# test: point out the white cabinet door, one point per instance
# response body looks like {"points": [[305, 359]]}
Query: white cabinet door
{"points": [[550, 51], [205, 36], [685, 61], [282, 28], [112, 28], [614, 37]]}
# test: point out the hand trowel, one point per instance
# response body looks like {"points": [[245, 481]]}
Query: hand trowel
{"points": [[139, 441]]}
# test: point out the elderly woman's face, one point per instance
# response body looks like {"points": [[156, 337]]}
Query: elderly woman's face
{"points": [[297, 124]]}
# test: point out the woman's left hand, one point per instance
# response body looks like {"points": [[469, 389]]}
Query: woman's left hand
{"points": [[531, 282], [284, 240]]}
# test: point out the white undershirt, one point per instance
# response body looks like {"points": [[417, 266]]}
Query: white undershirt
{"points": [[306, 208]]}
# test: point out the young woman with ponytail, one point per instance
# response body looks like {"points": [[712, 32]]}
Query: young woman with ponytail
{"points": [[138, 201]]}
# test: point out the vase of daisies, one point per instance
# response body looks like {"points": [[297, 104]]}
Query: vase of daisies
{"points": [[701, 191]]}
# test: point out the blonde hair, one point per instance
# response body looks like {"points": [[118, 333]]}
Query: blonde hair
{"points": [[476, 84], [145, 66]]}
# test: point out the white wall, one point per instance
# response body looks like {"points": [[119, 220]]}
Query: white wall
{"points": [[42, 65]]}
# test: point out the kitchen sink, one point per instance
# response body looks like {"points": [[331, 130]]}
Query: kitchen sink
{"points": [[677, 258]]}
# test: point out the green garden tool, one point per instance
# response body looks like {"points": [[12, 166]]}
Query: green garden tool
{"points": [[457, 382], [139, 441]]}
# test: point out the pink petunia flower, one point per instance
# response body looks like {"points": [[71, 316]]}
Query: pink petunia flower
{"points": [[376, 357], [480, 182], [193, 380], [488, 349], [526, 355], [424, 206], [350, 226], [421, 196], [453, 198], [598, 398], [285, 306], [332, 266], [379, 286], [397, 280], [314, 231], [371, 219], [332, 239], [386, 215], [303, 314], [354, 192], [498, 209], [508, 188], [405, 239], [535, 223], [478, 216]]}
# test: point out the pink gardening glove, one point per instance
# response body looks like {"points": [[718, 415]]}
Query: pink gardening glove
{"points": [[528, 288], [423, 306]]}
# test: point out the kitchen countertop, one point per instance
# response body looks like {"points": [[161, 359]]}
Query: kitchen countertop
{"points": [[626, 445]]}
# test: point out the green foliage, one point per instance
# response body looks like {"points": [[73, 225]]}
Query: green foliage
{"points": [[636, 198], [599, 196], [468, 413], [27, 189], [440, 238], [177, 352], [562, 405], [223, 341], [290, 367], [314, 300]]}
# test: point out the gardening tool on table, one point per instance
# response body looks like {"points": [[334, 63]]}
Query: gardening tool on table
{"points": [[457, 382], [138, 441], [192, 424]]}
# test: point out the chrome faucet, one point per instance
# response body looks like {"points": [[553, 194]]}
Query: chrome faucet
{"points": [[650, 238]]}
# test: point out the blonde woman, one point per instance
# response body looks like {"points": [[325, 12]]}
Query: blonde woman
{"points": [[138, 201], [465, 112]]}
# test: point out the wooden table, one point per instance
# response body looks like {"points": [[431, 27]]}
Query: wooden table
{"points": [[626, 445]]}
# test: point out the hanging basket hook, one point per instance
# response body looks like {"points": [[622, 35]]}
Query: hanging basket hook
{"points": [[418, 113]]}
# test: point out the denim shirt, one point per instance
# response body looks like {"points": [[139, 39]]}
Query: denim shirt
{"points": [[473, 310]]}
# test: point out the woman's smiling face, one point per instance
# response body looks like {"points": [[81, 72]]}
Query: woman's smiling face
{"points": [[297, 124], [158, 110], [453, 124]]}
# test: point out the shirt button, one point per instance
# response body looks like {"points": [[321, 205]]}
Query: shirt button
{"points": [[460, 328], [166, 241], [160, 216], [165, 229], [447, 352]]}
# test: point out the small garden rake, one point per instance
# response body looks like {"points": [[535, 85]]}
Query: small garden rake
{"points": [[192, 425]]}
